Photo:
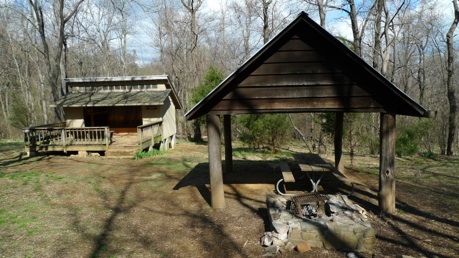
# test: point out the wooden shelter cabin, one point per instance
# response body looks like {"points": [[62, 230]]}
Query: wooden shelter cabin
{"points": [[97, 110], [305, 69]]}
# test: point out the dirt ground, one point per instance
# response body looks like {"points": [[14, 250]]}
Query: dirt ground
{"points": [[65, 206]]}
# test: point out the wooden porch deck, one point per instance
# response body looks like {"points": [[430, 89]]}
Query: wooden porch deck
{"points": [[57, 138]]}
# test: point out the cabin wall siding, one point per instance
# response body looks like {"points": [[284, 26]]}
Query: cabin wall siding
{"points": [[151, 114], [169, 119], [74, 117]]}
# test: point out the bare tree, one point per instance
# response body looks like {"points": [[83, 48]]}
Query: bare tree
{"points": [[53, 54], [358, 15], [357, 32], [182, 53], [192, 7], [245, 15], [379, 7], [266, 30], [124, 11], [21, 71], [321, 5], [451, 90], [101, 34]]}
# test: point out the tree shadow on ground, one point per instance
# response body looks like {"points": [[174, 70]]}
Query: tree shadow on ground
{"points": [[407, 228], [244, 172], [20, 159], [127, 198], [197, 177], [397, 230]]}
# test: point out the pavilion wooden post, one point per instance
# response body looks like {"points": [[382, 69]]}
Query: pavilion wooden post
{"points": [[339, 123], [386, 192], [228, 146], [215, 162]]}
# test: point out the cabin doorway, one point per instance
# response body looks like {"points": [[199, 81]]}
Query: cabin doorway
{"points": [[119, 119]]}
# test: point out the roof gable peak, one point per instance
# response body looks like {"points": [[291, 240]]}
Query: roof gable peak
{"points": [[305, 69]]}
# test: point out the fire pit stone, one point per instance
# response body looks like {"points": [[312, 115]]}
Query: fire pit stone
{"points": [[301, 220]]}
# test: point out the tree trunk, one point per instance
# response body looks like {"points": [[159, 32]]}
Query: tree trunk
{"points": [[298, 131], [379, 4], [197, 136], [53, 62], [266, 33], [322, 13], [451, 90], [356, 33]]}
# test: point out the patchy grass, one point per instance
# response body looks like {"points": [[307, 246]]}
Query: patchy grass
{"points": [[55, 206], [147, 154], [6, 145], [260, 154]]}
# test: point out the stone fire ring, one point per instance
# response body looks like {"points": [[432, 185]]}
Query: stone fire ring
{"points": [[334, 224]]}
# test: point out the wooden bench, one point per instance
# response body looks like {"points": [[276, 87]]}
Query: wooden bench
{"points": [[287, 174], [311, 165], [287, 177]]}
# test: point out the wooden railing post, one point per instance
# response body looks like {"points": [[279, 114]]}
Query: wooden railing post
{"points": [[29, 142], [163, 143], [147, 134], [140, 134], [153, 134], [107, 137], [26, 136], [63, 139]]}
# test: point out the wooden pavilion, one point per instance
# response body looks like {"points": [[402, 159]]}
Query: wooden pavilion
{"points": [[305, 69]]}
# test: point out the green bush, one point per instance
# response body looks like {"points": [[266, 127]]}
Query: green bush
{"points": [[265, 130], [212, 78], [147, 154], [428, 154], [410, 137], [19, 116]]}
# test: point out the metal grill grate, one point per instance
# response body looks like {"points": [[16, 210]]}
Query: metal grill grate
{"points": [[299, 201], [309, 197]]}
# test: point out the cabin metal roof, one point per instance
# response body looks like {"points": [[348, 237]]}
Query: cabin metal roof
{"points": [[305, 69], [125, 79], [104, 99], [119, 98]]}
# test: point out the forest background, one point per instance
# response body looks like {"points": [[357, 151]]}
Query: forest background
{"points": [[411, 42]]}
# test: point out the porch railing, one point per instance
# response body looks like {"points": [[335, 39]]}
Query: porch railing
{"points": [[52, 135], [149, 134]]}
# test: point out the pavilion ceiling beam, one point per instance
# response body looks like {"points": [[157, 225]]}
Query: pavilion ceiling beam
{"points": [[297, 103], [298, 110], [297, 91]]}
